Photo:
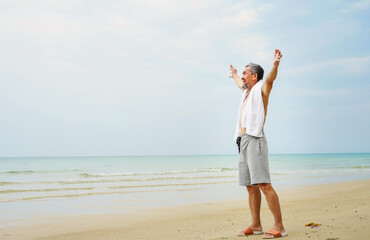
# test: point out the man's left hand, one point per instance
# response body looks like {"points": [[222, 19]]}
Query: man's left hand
{"points": [[277, 57]]}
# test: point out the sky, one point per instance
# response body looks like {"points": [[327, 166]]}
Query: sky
{"points": [[93, 78]]}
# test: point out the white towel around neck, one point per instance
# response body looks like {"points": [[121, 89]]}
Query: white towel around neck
{"points": [[253, 116]]}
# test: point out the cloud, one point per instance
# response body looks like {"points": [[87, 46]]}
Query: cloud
{"points": [[315, 92], [357, 6], [350, 65], [120, 65], [330, 97]]}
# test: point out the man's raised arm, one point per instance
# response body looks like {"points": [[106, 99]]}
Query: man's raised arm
{"points": [[273, 73], [237, 79]]}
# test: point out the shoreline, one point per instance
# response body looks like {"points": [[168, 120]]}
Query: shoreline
{"points": [[342, 209]]}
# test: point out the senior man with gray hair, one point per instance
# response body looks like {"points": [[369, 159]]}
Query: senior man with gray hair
{"points": [[253, 153]]}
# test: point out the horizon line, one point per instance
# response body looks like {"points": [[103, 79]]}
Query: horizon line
{"points": [[169, 155]]}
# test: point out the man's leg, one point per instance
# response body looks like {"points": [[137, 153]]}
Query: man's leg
{"points": [[274, 205], [255, 207]]}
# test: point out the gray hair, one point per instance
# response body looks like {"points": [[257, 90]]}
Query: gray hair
{"points": [[255, 68]]}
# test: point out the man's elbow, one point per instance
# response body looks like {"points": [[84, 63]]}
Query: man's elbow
{"points": [[270, 80]]}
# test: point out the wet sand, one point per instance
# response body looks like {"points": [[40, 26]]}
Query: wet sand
{"points": [[342, 209]]}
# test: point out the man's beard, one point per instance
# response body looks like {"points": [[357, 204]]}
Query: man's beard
{"points": [[245, 86]]}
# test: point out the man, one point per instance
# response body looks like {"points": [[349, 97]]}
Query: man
{"points": [[253, 153]]}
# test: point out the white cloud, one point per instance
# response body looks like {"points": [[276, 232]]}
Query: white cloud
{"points": [[125, 63], [315, 92], [258, 47], [242, 17], [357, 6], [351, 91], [348, 65]]}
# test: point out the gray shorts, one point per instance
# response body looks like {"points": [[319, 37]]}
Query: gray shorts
{"points": [[253, 160]]}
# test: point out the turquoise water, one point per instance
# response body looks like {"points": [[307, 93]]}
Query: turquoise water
{"points": [[24, 179], [70, 184]]}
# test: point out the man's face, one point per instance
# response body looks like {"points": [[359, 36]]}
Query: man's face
{"points": [[248, 78]]}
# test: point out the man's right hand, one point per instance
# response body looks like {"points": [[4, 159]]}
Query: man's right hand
{"points": [[237, 79], [233, 72]]}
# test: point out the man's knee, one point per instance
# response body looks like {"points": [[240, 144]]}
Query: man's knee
{"points": [[265, 187], [252, 189]]}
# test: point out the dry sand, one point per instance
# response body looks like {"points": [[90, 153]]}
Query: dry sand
{"points": [[341, 208]]}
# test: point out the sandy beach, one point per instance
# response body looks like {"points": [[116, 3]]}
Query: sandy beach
{"points": [[342, 209]]}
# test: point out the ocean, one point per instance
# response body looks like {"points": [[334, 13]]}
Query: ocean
{"points": [[36, 186]]}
